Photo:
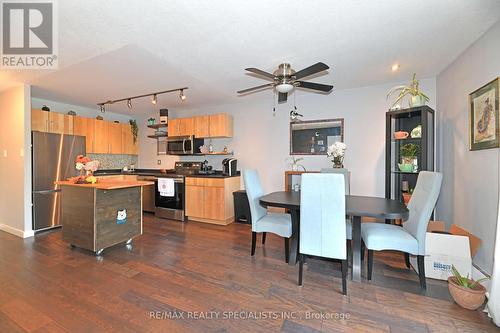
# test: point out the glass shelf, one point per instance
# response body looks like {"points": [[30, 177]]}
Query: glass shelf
{"points": [[408, 140], [405, 173]]}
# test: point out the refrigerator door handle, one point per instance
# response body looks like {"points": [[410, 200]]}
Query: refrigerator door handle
{"points": [[47, 191]]}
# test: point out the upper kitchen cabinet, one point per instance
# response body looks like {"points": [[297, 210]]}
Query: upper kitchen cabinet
{"points": [[221, 126], [202, 126], [101, 137], [51, 122], [85, 127], [206, 126], [128, 145], [115, 138]]}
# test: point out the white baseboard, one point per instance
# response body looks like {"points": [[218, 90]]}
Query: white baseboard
{"points": [[17, 232]]}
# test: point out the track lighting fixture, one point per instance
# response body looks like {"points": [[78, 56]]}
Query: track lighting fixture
{"points": [[154, 99], [103, 109]]}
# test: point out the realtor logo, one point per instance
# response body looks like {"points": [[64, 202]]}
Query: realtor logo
{"points": [[28, 34]]}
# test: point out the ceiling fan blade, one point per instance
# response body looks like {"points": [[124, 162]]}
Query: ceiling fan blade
{"points": [[316, 68], [260, 72], [282, 97], [255, 88], [315, 86]]}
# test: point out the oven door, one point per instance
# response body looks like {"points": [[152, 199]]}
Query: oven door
{"points": [[175, 202]]}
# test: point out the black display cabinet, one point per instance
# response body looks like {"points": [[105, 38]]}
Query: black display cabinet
{"points": [[402, 179]]}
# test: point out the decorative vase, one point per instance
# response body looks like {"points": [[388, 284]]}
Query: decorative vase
{"points": [[406, 198], [295, 167], [466, 297], [417, 101], [338, 162]]}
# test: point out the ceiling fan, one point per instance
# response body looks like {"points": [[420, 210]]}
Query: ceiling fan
{"points": [[285, 79]]}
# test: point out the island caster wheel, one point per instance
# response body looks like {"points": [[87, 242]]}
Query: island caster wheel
{"points": [[129, 241], [98, 252]]}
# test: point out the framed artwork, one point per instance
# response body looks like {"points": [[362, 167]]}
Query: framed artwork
{"points": [[312, 137], [483, 117]]}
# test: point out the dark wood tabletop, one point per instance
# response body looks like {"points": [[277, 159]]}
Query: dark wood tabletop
{"points": [[379, 208]]}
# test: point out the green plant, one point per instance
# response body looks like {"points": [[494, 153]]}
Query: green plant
{"points": [[412, 89], [409, 150], [134, 129], [464, 281]]}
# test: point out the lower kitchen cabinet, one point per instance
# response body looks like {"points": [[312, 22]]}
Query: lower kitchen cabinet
{"points": [[210, 200]]}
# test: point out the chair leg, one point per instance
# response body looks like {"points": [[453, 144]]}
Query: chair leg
{"points": [[254, 240], [301, 266], [407, 260], [370, 264], [344, 277], [264, 238], [287, 250], [421, 272]]}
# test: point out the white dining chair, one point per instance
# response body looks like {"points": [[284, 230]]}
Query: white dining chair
{"points": [[346, 174], [410, 238], [263, 221], [322, 220]]}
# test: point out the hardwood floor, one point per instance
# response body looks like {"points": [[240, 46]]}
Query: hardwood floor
{"points": [[182, 270]]}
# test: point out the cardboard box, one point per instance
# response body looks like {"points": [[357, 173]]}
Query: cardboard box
{"points": [[443, 249]]}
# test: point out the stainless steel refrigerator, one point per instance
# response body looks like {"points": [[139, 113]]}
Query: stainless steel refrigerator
{"points": [[53, 158]]}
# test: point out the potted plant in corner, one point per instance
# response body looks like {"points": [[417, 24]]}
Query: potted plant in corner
{"points": [[416, 96], [466, 292], [408, 153]]}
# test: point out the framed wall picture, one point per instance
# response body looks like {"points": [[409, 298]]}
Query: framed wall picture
{"points": [[483, 117], [312, 137]]}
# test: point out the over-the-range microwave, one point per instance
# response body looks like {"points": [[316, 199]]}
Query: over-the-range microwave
{"points": [[184, 145]]}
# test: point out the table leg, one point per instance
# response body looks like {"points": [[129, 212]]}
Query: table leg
{"points": [[356, 248], [294, 244]]}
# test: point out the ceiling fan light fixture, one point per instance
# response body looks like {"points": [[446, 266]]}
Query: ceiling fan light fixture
{"points": [[284, 87]]}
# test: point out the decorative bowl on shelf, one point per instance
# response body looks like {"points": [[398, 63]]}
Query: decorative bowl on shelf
{"points": [[399, 135], [416, 133], [404, 167]]}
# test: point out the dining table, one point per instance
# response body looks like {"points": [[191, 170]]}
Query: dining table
{"points": [[357, 207]]}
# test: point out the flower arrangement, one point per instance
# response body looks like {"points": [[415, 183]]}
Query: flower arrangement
{"points": [[87, 167], [336, 152]]}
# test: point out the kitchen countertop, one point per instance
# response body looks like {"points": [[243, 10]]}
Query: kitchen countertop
{"points": [[108, 184], [157, 173]]}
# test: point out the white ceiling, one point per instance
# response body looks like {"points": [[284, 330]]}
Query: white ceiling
{"points": [[119, 48]]}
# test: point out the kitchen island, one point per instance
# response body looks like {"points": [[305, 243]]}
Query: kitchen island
{"points": [[97, 216]]}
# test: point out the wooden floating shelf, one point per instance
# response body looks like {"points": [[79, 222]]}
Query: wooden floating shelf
{"points": [[156, 136], [216, 153], [156, 126]]}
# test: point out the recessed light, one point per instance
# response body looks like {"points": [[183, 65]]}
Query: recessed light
{"points": [[395, 67]]}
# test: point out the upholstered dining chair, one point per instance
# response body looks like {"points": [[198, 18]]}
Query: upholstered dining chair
{"points": [[346, 174], [322, 220], [263, 221], [410, 238]]}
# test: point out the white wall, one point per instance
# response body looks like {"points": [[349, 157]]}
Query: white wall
{"points": [[15, 161], [470, 187], [261, 140]]}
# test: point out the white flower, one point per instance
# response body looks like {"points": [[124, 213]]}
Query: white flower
{"points": [[92, 166], [337, 149], [79, 166]]}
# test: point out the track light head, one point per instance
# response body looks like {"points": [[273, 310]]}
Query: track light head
{"points": [[182, 96], [154, 100], [103, 109], [129, 104]]}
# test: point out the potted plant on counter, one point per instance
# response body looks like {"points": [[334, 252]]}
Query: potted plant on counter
{"points": [[466, 292], [416, 96]]}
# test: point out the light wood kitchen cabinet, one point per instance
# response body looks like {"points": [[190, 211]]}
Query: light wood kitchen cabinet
{"points": [[202, 126], [101, 137], [85, 127], [221, 126], [181, 127], [115, 138], [128, 145], [39, 120], [210, 200], [60, 123]]}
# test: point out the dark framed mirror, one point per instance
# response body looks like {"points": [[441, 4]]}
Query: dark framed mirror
{"points": [[312, 137]]}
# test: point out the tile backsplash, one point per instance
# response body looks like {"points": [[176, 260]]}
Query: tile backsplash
{"points": [[115, 161]]}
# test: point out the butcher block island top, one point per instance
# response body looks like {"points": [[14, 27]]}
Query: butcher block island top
{"points": [[103, 184], [97, 216]]}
